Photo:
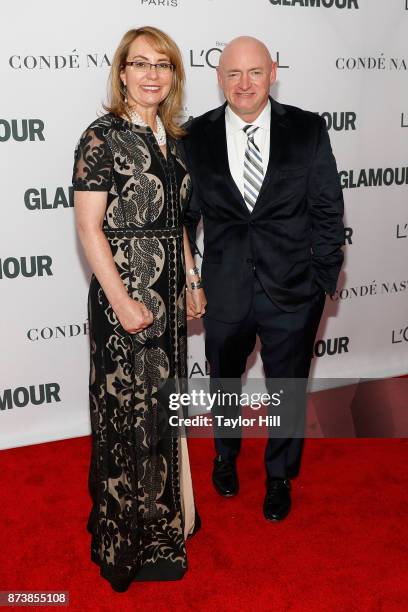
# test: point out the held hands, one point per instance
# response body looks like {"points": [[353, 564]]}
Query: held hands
{"points": [[195, 296], [196, 303], [134, 316]]}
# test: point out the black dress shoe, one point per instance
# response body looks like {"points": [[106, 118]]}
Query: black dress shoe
{"points": [[224, 477], [277, 499]]}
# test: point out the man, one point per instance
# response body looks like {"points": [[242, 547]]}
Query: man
{"points": [[266, 184]]}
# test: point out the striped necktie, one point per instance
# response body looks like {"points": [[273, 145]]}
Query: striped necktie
{"points": [[253, 170]]}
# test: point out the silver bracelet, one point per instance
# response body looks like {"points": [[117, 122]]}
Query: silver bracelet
{"points": [[196, 285], [194, 271]]}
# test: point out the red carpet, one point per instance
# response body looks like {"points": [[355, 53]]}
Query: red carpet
{"points": [[344, 547]]}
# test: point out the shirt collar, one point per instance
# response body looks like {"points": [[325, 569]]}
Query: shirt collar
{"points": [[236, 124]]}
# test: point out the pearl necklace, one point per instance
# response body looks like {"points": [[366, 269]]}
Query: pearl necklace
{"points": [[160, 135]]}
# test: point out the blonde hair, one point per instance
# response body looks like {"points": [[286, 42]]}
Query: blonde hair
{"points": [[170, 107]]}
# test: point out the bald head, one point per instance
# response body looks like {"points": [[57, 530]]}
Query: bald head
{"points": [[242, 45], [245, 73]]}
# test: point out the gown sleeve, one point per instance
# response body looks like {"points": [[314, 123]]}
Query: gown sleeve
{"points": [[93, 162]]}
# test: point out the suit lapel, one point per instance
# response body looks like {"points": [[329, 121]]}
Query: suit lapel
{"points": [[278, 129], [218, 150], [218, 153]]}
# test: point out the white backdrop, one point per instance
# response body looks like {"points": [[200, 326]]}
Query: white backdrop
{"points": [[345, 58]]}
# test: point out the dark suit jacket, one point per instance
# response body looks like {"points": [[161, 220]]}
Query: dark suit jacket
{"points": [[295, 232]]}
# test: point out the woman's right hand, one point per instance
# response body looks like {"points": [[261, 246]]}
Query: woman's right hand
{"points": [[134, 316]]}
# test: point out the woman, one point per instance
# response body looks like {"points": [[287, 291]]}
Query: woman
{"points": [[130, 189]]}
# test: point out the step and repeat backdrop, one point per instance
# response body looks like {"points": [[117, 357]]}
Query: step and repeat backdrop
{"points": [[344, 59]]}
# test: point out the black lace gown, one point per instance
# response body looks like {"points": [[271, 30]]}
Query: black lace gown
{"points": [[139, 477]]}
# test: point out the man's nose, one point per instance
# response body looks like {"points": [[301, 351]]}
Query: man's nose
{"points": [[245, 82]]}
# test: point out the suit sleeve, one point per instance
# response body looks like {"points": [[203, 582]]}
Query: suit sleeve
{"points": [[192, 212], [325, 200]]}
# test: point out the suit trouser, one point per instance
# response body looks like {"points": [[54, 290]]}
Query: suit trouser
{"points": [[287, 340]]}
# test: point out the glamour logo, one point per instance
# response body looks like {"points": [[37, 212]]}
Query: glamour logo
{"points": [[172, 3], [34, 394], [211, 57], [21, 129], [331, 346], [348, 235], [340, 121], [374, 177], [374, 288], [39, 199], [71, 330], [404, 119], [402, 230], [371, 63], [68, 61], [36, 265], [340, 4], [399, 335]]}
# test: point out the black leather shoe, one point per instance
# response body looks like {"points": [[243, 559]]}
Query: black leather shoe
{"points": [[224, 477], [277, 499]]}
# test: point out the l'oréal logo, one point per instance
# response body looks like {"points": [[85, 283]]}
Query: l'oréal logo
{"points": [[402, 230], [202, 58], [399, 335]]}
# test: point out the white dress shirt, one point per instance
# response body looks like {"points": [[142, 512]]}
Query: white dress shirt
{"points": [[237, 142]]}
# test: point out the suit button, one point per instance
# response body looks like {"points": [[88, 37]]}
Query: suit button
{"points": [[249, 260]]}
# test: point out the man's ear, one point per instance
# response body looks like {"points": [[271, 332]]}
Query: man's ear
{"points": [[273, 72], [219, 76]]}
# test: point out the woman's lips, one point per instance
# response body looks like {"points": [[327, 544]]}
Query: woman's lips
{"points": [[150, 87]]}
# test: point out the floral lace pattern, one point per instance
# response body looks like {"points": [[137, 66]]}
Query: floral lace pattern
{"points": [[136, 521]]}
